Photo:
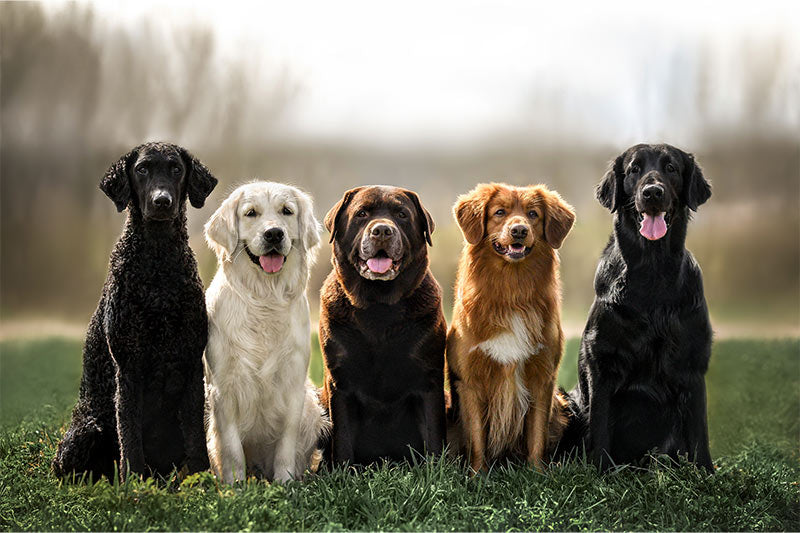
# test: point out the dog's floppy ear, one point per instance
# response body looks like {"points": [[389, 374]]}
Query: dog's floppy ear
{"points": [[200, 181], [558, 219], [221, 230], [332, 217], [116, 184], [309, 226], [610, 189], [470, 213], [426, 218], [696, 189]]}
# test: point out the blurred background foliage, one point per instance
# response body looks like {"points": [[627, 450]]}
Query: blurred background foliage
{"points": [[77, 91]]}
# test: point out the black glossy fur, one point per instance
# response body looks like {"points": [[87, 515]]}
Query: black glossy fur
{"points": [[383, 341], [141, 399], [647, 342]]}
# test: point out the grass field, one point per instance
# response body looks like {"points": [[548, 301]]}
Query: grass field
{"points": [[754, 419]]}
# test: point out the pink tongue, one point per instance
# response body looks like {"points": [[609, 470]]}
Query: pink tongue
{"points": [[271, 262], [379, 265], [653, 228]]}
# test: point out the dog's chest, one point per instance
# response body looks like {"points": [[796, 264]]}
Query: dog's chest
{"points": [[513, 344]]}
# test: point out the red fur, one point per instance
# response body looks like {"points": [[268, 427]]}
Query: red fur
{"points": [[494, 296]]}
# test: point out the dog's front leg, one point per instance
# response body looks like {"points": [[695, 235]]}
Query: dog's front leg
{"points": [[190, 414], [599, 404], [537, 421], [433, 427], [286, 450], [695, 424], [472, 416], [343, 435], [228, 451], [128, 404]]}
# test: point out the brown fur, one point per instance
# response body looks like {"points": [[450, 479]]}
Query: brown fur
{"points": [[496, 417], [382, 340]]}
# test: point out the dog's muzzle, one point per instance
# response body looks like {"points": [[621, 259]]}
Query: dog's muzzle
{"points": [[381, 252], [273, 257], [653, 210], [160, 205]]}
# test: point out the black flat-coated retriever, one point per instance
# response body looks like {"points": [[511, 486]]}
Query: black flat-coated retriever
{"points": [[141, 397], [647, 342]]}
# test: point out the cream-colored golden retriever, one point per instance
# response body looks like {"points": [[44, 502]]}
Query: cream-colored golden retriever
{"points": [[264, 416]]}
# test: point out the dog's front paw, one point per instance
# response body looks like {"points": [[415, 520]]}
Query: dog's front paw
{"points": [[601, 460], [282, 475]]}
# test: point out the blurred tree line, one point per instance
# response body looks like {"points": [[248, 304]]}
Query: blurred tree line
{"points": [[76, 94]]}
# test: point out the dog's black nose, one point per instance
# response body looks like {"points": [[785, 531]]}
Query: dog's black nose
{"points": [[382, 230], [162, 199], [519, 231], [655, 192], [273, 235]]}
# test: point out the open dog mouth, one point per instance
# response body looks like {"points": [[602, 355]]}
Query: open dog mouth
{"points": [[270, 263], [515, 250], [379, 267], [653, 226]]}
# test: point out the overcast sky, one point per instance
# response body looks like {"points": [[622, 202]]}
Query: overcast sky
{"points": [[395, 72]]}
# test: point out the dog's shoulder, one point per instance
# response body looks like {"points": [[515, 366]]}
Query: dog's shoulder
{"points": [[426, 299], [334, 303]]}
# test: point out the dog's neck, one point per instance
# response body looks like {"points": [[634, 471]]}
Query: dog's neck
{"points": [[159, 236], [651, 267]]}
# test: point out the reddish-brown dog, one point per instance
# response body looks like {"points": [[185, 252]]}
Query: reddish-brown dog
{"points": [[505, 343]]}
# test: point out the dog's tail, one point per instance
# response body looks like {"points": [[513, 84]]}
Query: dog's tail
{"points": [[316, 430], [567, 426], [86, 448]]}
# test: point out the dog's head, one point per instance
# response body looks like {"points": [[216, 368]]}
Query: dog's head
{"points": [[379, 231], [513, 220], [262, 223], [651, 185], [156, 178]]}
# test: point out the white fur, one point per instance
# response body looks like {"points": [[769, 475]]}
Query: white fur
{"points": [[263, 412], [511, 346], [522, 393]]}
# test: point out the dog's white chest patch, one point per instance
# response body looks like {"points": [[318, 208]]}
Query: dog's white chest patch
{"points": [[511, 346]]}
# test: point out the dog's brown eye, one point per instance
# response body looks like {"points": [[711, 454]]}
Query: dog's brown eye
{"points": [[532, 214], [176, 170], [500, 212], [141, 169], [361, 213], [287, 211], [635, 169], [401, 214], [250, 213], [670, 168]]}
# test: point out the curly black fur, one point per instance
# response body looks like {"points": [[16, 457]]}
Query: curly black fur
{"points": [[141, 396]]}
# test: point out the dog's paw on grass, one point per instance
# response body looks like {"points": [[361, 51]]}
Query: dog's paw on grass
{"points": [[753, 490]]}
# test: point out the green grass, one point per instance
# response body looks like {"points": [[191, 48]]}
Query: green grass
{"points": [[38, 376], [754, 396]]}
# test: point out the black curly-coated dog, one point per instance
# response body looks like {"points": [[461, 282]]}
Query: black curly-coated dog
{"points": [[141, 399], [647, 342]]}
